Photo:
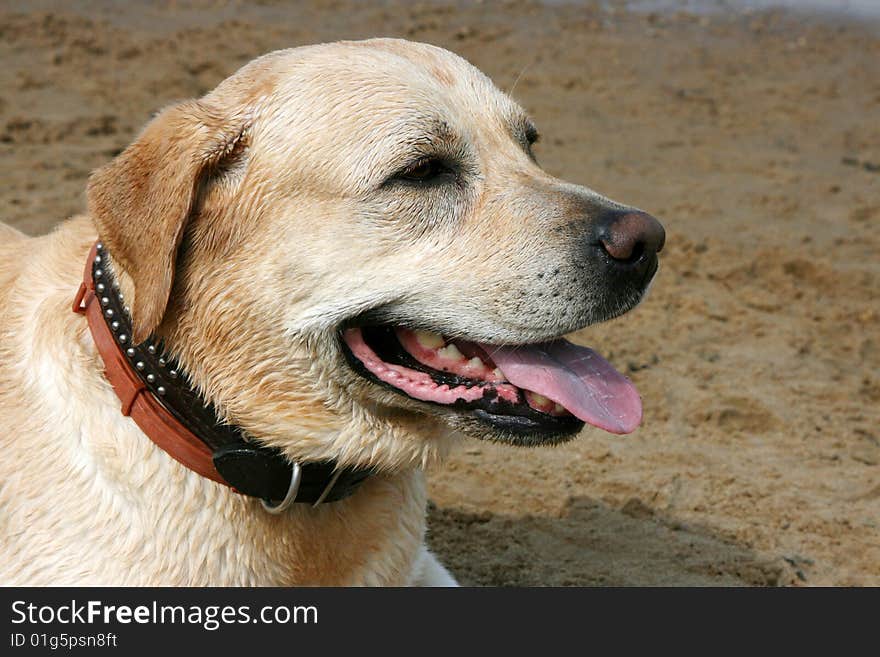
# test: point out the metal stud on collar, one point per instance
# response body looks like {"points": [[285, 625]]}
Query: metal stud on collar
{"points": [[292, 490], [115, 325]]}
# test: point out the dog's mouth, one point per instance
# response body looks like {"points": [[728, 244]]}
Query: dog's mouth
{"points": [[551, 388]]}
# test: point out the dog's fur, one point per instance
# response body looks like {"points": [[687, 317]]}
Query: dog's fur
{"points": [[246, 228]]}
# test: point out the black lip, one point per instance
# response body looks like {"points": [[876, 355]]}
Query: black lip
{"points": [[512, 419]]}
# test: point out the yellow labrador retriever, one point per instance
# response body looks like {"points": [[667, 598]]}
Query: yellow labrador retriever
{"points": [[309, 284]]}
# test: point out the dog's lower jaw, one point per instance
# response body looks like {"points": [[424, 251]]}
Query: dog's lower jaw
{"points": [[479, 425], [385, 438]]}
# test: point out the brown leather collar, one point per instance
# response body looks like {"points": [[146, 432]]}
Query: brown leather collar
{"points": [[154, 393]]}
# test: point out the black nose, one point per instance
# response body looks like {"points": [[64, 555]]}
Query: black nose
{"points": [[629, 237]]}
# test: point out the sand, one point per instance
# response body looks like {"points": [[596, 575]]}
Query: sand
{"points": [[756, 138]]}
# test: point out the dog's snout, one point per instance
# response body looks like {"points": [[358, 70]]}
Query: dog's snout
{"points": [[628, 236]]}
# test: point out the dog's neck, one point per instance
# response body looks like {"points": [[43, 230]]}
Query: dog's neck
{"points": [[154, 392]]}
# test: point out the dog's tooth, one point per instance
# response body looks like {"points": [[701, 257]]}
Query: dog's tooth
{"points": [[540, 400], [429, 340], [499, 374], [475, 362], [451, 352], [558, 408]]}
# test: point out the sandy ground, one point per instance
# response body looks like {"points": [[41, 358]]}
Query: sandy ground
{"points": [[756, 138]]}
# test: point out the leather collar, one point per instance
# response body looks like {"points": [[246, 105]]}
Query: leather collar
{"points": [[154, 393]]}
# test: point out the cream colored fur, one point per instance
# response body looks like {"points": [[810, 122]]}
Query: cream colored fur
{"points": [[247, 226]]}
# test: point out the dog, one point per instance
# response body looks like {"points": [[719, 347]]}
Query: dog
{"points": [[353, 260]]}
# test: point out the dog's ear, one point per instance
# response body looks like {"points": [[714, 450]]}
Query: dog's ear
{"points": [[142, 200]]}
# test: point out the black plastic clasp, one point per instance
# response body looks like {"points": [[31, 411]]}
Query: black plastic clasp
{"points": [[255, 471]]}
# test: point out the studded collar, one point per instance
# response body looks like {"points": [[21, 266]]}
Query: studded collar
{"points": [[154, 392]]}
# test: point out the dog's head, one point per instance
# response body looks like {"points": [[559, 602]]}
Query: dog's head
{"points": [[351, 247]]}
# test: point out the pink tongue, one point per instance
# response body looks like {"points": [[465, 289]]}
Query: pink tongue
{"points": [[577, 378]]}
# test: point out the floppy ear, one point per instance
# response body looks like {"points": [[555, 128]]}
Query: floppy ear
{"points": [[143, 199]]}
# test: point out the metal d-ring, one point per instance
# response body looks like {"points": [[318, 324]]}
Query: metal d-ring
{"points": [[292, 490], [328, 488]]}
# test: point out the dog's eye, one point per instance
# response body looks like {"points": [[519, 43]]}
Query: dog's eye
{"points": [[424, 170]]}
